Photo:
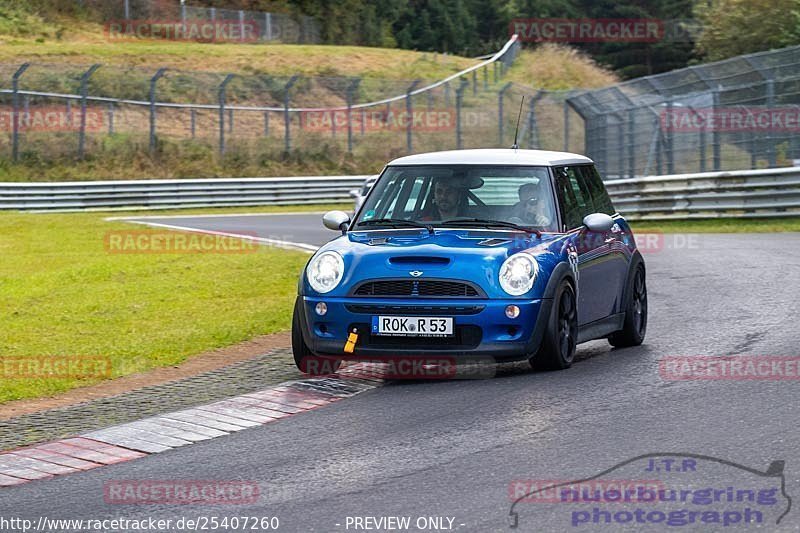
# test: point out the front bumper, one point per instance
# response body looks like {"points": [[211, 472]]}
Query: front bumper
{"points": [[481, 327]]}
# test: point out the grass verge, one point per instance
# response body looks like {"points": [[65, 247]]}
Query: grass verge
{"points": [[719, 225], [64, 295]]}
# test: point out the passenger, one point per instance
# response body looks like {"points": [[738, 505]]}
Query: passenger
{"points": [[532, 209]]}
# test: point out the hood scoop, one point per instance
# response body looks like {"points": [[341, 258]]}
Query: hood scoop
{"points": [[493, 242], [405, 260], [378, 241]]}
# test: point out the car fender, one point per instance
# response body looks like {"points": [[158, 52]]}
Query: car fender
{"points": [[563, 270], [636, 260]]}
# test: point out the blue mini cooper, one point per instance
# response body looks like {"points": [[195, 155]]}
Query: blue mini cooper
{"points": [[501, 254]]}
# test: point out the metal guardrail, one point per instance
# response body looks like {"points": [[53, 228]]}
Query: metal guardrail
{"points": [[746, 193], [743, 193], [172, 194]]}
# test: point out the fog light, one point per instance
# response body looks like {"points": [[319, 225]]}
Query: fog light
{"points": [[512, 311], [322, 308]]}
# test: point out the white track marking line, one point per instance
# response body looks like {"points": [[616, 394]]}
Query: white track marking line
{"points": [[308, 248], [146, 217]]}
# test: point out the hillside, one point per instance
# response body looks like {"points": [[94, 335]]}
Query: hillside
{"points": [[61, 48], [274, 59]]}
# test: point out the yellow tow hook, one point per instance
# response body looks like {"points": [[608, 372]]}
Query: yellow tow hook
{"points": [[352, 338]]}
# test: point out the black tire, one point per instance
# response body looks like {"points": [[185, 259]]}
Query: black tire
{"points": [[635, 324], [306, 361], [557, 350]]}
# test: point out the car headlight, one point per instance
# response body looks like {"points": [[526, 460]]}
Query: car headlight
{"points": [[518, 274], [325, 271]]}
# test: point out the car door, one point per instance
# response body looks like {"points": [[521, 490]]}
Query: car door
{"points": [[596, 297], [618, 257]]}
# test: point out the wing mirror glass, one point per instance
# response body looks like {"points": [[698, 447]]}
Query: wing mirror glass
{"points": [[598, 222], [336, 220]]}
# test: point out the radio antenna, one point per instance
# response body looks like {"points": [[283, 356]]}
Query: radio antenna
{"points": [[515, 146]]}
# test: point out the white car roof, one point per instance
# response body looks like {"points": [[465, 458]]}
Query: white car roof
{"points": [[493, 156]]}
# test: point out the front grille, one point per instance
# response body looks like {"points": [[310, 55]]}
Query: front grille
{"points": [[424, 288], [415, 310]]}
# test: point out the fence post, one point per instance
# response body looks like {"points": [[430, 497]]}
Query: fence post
{"points": [[286, 132], [669, 141], [566, 126], [410, 115], [159, 73], [474, 82], [772, 156], [230, 120], [715, 135], [495, 71], [500, 97], [183, 15], [241, 24], [621, 144], [351, 93], [127, 9], [486, 78], [659, 150], [193, 122], [111, 118], [221, 98], [267, 26], [532, 121], [702, 142], [15, 110], [459, 98], [266, 123], [446, 94], [84, 95], [631, 143]]}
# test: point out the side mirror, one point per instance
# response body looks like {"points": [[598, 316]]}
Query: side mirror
{"points": [[354, 193], [598, 222], [337, 220]]}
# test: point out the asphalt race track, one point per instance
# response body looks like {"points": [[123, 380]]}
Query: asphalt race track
{"points": [[454, 448], [300, 228]]}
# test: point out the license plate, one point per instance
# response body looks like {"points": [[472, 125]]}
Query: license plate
{"points": [[413, 326]]}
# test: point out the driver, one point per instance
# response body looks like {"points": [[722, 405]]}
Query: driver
{"points": [[449, 200], [532, 209]]}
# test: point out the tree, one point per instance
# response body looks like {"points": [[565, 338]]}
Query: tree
{"points": [[735, 27]]}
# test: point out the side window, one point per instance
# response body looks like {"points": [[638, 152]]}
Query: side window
{"points": [[573, 196], [600, 199]]}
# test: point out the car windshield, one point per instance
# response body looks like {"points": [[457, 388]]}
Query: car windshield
{"points": [[461, 196]]}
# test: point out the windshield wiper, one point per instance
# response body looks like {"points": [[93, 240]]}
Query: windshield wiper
{"points": [[489, 223], [396, 222]]}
